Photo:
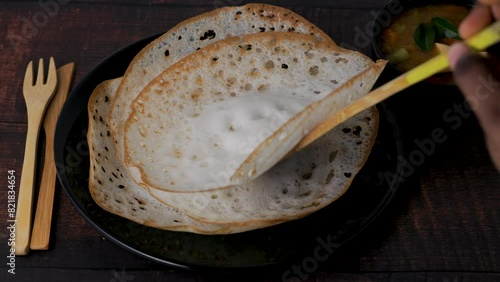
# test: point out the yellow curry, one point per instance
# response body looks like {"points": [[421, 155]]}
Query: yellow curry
{"points": [[397, 43]]}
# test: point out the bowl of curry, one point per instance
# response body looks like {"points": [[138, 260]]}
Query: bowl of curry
{"points": [[407, 33]]}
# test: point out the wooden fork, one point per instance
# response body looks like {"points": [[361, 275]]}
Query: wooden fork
{"points": [[40, 235], [37, 97]]}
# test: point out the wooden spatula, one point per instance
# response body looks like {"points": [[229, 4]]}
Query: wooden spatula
{"points": [[43, 216], [479, 42]]}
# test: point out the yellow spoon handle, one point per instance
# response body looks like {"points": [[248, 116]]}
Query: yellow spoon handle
{"points": [[478, 42]]}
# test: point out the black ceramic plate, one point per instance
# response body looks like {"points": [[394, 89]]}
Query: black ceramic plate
{"points": [[336, 224]]}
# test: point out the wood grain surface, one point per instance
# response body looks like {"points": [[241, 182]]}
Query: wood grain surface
{"points": [[443, 226]]}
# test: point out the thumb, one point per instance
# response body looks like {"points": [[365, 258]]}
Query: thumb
{"points": [[481, 89]]}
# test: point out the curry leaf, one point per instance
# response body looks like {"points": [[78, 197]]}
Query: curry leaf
{"points": [[445, 28], [424, 36]]}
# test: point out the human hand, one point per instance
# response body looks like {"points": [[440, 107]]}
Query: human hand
{"points": [[479, 78]]}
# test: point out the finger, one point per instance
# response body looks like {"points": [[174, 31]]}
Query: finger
{"points": [[496, 11], [478, 18], [482, 91]]}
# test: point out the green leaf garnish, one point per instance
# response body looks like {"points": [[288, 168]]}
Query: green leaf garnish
{"points": [[445, 28], [424, 36]]}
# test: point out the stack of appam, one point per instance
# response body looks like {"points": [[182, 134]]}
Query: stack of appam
{"points": [[194, 136]]}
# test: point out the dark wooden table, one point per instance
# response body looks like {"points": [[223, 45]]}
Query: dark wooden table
{"points": [[443, 225]]}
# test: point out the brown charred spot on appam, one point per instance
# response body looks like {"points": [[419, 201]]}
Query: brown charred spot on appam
{"points": [[269, 65], [305, 194], [254, 72], [214, 196], [232, 94], [209, 34], [291, 29], [324, 60], [314, 71], [357, 131], [239, 13], [195, 95], [332, 156], [341, 60], [178, 153], [248, 86], [140, 202], [309, 55], [231, 80], [221, 74], [329, 177], [263, 87], [307, 176]]}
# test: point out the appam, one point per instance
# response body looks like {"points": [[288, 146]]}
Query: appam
{"points": [[239, 104], [191, 35]]}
